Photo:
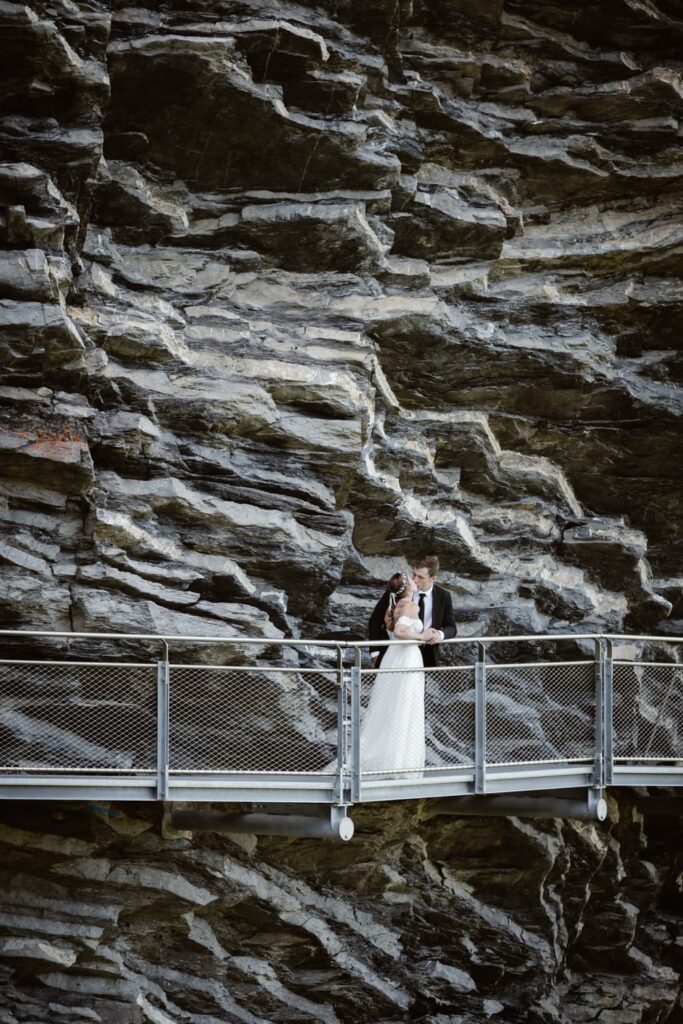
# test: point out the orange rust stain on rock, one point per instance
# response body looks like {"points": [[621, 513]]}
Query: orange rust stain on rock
{"points": [[59, 450], [61, 445], [44, 434]]}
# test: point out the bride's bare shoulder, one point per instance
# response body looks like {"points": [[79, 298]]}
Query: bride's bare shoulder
{"points": [[407, 607]]}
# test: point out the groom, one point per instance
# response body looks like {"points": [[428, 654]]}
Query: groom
{"points": [[435, 609]]}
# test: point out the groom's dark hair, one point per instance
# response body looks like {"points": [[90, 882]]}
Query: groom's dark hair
{"points": [[428, 562]]}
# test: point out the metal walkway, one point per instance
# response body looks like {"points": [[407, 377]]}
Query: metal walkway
{"points": [[261, 722]]}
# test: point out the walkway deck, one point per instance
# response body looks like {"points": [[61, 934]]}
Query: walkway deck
{"points": [[207, 719]]}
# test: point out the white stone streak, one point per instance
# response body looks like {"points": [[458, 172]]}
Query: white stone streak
{"points": [[297, 912], [135, 876], [537, 947], [364, 924]]}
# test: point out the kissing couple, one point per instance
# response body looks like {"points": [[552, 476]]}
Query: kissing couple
{"points": [[433, 610], [412, 608]]}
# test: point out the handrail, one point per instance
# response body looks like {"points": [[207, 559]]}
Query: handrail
{"points": [[168, 731], [343, 644]]}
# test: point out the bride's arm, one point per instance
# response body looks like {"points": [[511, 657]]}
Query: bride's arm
{"points": [[402, 632]]}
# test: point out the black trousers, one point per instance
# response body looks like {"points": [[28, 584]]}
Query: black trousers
{"points": [[430, 657]]}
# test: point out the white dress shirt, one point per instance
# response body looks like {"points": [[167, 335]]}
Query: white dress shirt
{"points": [[428, 596]]}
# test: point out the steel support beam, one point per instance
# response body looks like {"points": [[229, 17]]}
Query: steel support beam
{"points": [[336, 826], [512, 805]]}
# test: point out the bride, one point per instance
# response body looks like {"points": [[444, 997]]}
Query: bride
{"points": [[392, 737]]}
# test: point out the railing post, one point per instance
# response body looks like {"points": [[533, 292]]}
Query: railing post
{"points": [[480, 720], [608, 712], [599, 760], [163, 705], [342, 729], [355, 727]]}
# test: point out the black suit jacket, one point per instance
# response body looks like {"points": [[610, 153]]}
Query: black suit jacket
{"points": [[442, 618]]}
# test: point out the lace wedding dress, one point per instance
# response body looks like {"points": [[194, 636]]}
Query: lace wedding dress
{"points": [[392, 736]]}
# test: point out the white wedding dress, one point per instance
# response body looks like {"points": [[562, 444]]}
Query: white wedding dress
{"points": [[392, 736]]}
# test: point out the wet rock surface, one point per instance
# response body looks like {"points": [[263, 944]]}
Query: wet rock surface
{"points": [[288, 294]]}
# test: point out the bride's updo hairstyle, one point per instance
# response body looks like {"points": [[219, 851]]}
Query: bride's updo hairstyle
{"points": [[398, 587]]}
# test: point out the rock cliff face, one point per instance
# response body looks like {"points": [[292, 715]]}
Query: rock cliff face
{"points": [[293, 292], [289, 293], [423, 918]]}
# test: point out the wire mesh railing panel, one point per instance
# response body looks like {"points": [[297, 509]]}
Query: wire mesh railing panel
{"points": [[414, 720], [449, 717], [230, 715], [648, 711], [540, 713], [240, 719], [67, 716]]}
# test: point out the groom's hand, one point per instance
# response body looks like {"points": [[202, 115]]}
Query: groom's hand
{"points": [[433, 636]]}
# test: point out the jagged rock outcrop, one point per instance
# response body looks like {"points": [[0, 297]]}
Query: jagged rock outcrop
{"points": [[340, 286], [423, 917], [289, 293]]}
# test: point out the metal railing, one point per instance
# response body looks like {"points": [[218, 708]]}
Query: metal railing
{"points": [[225, 719]]}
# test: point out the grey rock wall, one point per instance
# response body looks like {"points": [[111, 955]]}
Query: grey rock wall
{"points": [[106, 916], [289, 293]]}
